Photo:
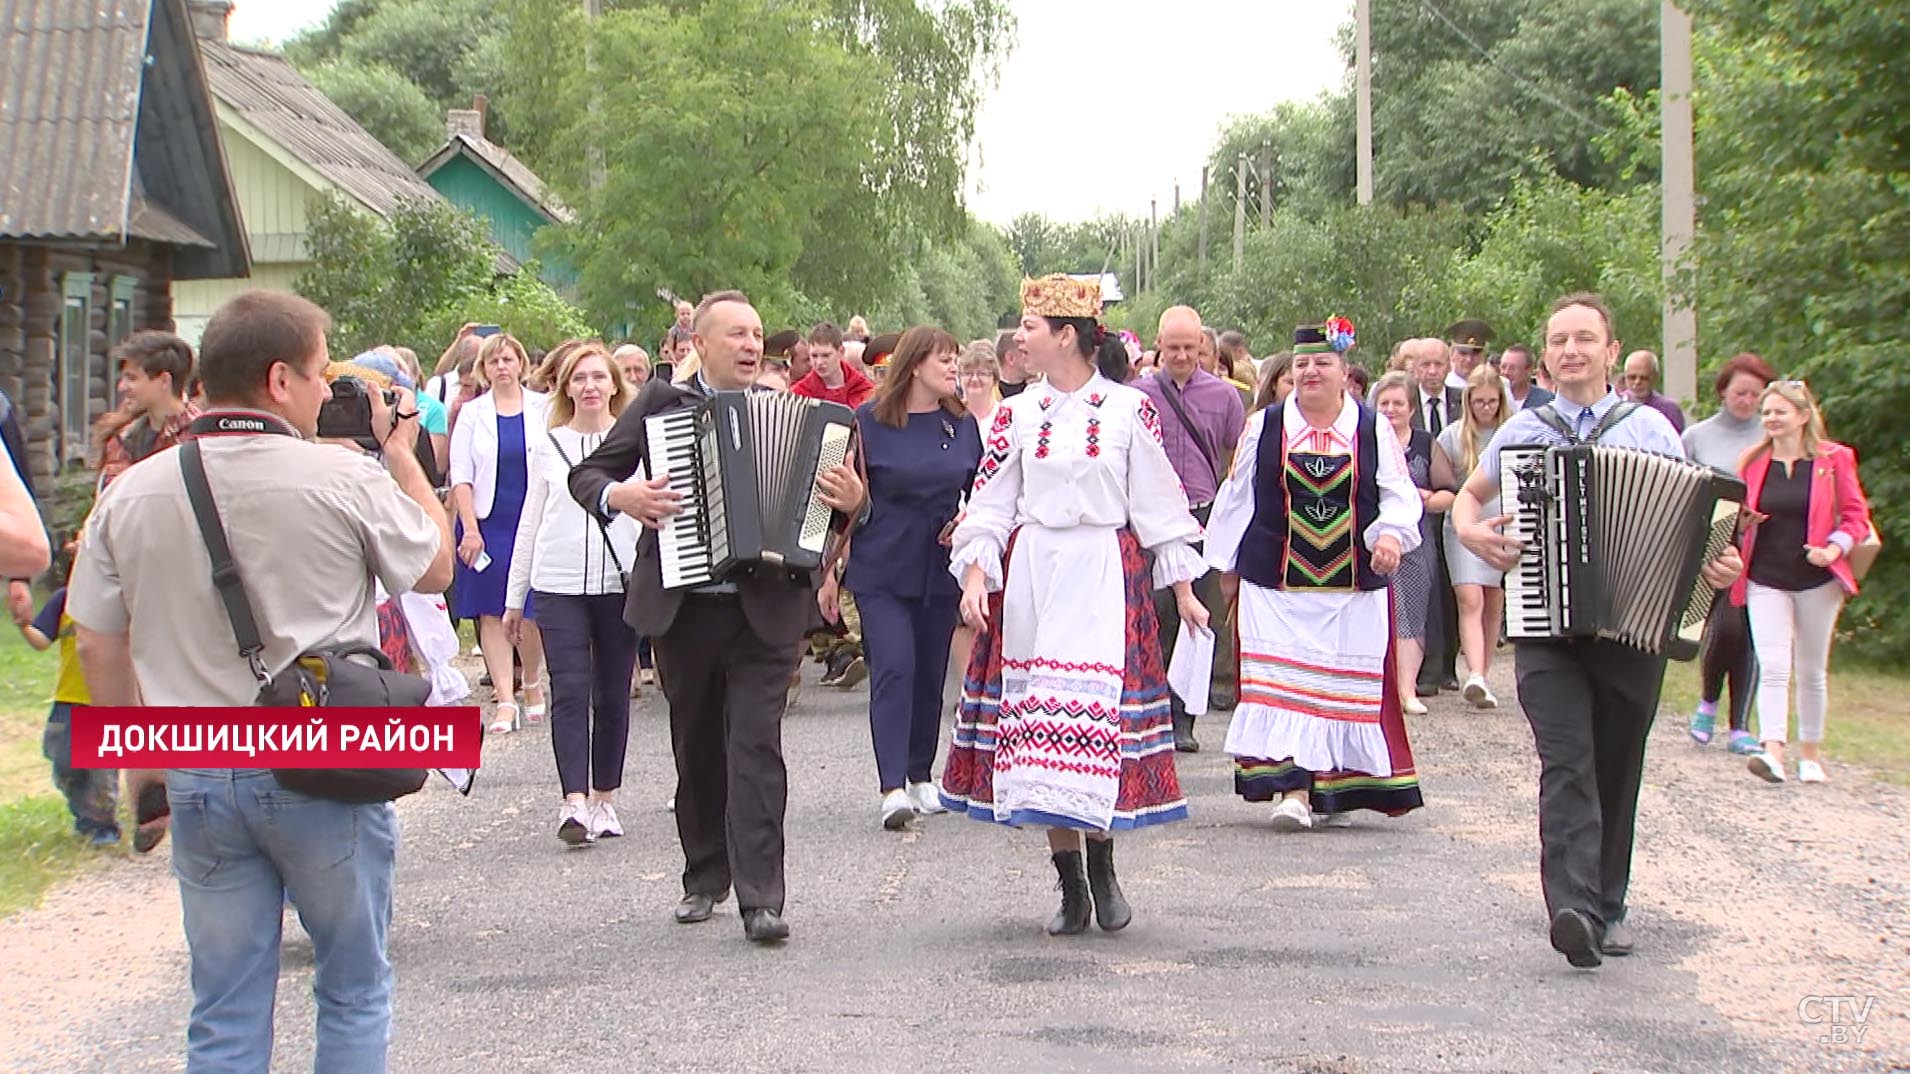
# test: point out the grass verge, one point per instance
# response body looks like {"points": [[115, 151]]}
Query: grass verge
{"points": [[1867, 723], [37, 846]]}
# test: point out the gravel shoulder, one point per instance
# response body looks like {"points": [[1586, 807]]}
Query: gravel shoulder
{"points": [[1412, 944]]}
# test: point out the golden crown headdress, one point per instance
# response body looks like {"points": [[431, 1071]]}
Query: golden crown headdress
{"points": [[1061, 295]]}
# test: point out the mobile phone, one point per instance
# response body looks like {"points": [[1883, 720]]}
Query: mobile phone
{"points": [[484, 330], [948, 531], [482, 562]]}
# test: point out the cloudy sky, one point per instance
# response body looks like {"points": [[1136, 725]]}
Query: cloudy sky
{"points": [[1159, 78]]}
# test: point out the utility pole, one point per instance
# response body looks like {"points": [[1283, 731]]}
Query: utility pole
{"points": [[1176, 196], [1154, 240], [1363, 94], [1680, 222], [1266, 184], [1203, 218], [1240, 211]]}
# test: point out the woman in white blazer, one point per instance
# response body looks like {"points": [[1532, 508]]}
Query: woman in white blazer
{"points": [[490, 475]]}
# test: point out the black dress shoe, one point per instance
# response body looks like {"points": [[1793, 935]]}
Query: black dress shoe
{"points": [[1449, 683], [1184, 740], [1575, 936], [695, 907], [765, 926], [1426, 689]]}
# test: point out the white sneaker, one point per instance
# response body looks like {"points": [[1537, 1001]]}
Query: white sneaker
{"points": [[1810, 772], [897, 810], [603, 821], [1766, 767], [670, 806], [574, 824], [1413, 706], [1332, 820], [1291, 815], [926, 799], [1478, 694]]}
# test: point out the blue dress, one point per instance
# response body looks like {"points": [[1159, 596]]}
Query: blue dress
{"points": [[482, 592]]}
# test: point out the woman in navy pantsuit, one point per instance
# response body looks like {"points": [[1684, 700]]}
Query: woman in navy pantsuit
{"points": [[921, 450]]}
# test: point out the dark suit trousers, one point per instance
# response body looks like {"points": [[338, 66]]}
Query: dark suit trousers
{"points": [[727, 689], [1591, 705], [1442, 618], [906, 640]]}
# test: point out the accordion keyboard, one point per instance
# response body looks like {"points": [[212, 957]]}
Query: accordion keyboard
{"points": [[683, 544], [1532, 605]]}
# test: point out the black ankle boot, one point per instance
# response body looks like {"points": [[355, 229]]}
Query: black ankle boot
{"points": [[1072, 918], [1111, 910]]}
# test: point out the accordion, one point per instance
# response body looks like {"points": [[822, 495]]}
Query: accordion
{"points": [[745, 464], [1614, 540]]}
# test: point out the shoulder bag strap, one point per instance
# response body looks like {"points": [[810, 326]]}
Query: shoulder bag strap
{"points": [[1171, 393], [225, 572], [601, 527]]}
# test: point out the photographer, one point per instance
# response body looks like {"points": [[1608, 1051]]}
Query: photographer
{"points": [[309, 526]]}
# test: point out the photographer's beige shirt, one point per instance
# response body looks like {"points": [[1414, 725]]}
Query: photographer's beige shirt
{"points": [[310, 525]]}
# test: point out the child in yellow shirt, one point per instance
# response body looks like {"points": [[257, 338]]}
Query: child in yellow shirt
{"points": [[92, 794]]}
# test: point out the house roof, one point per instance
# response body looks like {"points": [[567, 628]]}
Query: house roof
{"points": [[107, 132], [297, 124], [510, 172], [265, 91]]}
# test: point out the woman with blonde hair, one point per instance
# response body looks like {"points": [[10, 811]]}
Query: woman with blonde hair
{"points": [[1478, 588], [490, 477], [576, 569], [978, 372], [1394, 398], [1802, 489]]}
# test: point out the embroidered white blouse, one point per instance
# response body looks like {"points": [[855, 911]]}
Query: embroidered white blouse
{"points": [[1399, 504], [1092, 457]]}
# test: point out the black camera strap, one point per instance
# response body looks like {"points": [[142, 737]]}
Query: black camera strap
{"points": [[225, 572]]}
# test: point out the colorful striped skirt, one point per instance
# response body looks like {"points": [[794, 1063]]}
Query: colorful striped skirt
{"points": [[1318, 710], [1064, 757]]}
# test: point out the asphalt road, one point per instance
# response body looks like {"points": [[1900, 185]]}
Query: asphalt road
{"points": [[1397, 945]]}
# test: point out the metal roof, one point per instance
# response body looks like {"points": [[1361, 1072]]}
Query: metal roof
{"points": [[70, 76], [268, 93]]}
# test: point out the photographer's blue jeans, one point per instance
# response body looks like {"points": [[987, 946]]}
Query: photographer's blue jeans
{"points": [[240, 842]]}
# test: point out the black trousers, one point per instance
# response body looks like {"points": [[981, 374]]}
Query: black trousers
{"points": [[1442, 618], [1167, 610], [727, 689], [592, 653], [1729, 658], [1590, 704]]}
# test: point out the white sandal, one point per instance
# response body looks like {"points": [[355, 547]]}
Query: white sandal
{"points": [[535, 713], [502, 724]]}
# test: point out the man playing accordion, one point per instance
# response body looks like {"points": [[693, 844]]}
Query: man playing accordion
{"points": [[1590, 701]]}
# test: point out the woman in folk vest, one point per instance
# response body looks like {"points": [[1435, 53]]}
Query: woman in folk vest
{"points": [[1318, 511]]}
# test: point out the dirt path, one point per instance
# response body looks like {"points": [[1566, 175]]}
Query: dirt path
{"points": [[1409, 945]]}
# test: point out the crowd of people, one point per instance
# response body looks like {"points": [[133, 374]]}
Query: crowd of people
{"points": [[1055, 511]]}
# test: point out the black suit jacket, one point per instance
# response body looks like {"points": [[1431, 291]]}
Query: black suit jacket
{"points": [[1449, 410], [776, 602]]}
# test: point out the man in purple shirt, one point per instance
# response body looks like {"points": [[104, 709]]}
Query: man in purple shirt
{"points": [[1201, 420], [1641, 383]]}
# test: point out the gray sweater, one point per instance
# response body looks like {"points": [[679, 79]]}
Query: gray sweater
{"points": [[1721, 440]]}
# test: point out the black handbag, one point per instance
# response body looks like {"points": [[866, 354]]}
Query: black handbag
{"points": [[329, 677]]}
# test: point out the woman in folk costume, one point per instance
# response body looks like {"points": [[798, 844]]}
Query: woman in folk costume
{"points": [[1318, 511], [1064, 722]]}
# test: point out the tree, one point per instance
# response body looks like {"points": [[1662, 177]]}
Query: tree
{"points": [[413, 278], [390, 107], [754, 153]]}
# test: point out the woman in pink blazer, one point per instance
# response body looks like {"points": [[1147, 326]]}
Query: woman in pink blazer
{"points": [[1810, 511]]}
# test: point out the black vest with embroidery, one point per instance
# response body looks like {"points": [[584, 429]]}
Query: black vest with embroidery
{"points": [[1309, 512]]}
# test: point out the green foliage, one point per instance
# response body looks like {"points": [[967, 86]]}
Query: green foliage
{"points": [[1802, 254], [389, 106], [414, 278], [447, 50]]}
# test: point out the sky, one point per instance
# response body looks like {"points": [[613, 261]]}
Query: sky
{"points": [[1143, 85]]}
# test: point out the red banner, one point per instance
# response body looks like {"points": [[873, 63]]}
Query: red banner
{"points": [[276, 738]]}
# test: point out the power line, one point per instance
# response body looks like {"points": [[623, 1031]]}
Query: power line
{"points": [[1459, 32]]}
